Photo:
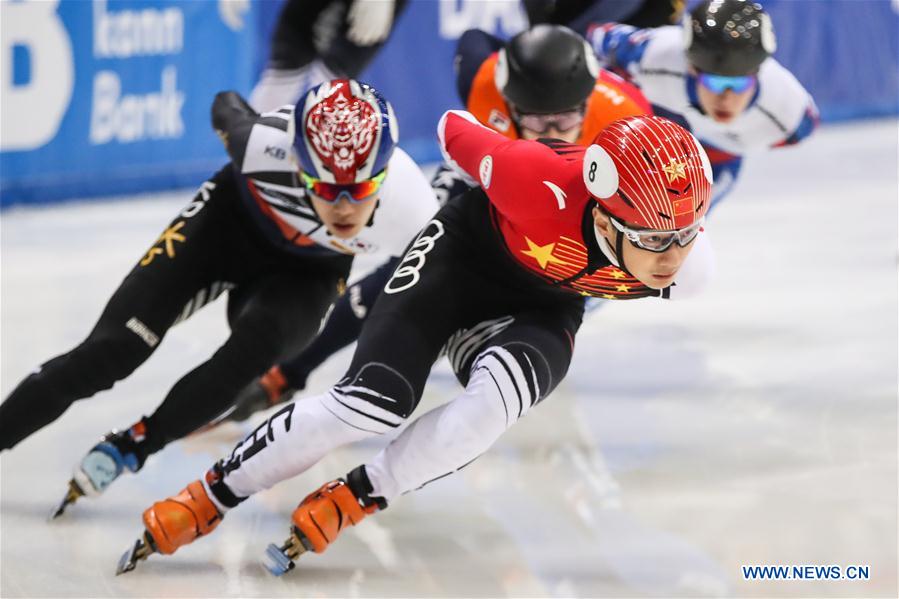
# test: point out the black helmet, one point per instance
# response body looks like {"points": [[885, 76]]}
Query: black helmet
{"points": [[728, 37], [547, 68]]}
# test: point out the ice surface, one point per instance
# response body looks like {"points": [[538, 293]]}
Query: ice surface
{"points": [[756, 424]]}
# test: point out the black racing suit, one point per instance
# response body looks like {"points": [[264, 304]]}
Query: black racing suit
{"points": [[279, 294]]}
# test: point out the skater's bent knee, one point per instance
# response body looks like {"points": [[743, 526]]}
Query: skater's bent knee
{"points": [[381, 386], [376, 398], [98, 363], [519, 374]]}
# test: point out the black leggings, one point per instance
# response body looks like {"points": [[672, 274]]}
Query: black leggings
{"points": [[342, 328], [276, 305]]}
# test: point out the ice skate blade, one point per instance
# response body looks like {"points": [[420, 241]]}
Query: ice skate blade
{"points": [[281, 560], [72, 495], [276, 561], [141, 549]]}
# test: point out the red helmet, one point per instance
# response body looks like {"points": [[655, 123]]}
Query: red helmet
{"points": [[649, 172], [345, 132]]}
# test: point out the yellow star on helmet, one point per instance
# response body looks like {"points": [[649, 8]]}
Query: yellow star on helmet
{"points": [[675, 170], [543, 254]]}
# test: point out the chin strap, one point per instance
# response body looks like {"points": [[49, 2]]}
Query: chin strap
{"points": [[619, 249], [612, 255]]}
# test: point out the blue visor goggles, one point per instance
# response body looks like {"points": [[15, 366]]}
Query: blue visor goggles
{"points": [[718, 84]]}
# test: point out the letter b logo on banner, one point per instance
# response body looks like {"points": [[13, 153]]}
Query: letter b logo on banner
{"points": [[33, 107]]}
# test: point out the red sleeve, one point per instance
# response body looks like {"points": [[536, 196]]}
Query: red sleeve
{"points": [[523, 179], [464, 142]]}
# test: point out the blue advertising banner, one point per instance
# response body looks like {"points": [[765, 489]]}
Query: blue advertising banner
{"points": [[108, 97], [113, 96], [845, 52]]}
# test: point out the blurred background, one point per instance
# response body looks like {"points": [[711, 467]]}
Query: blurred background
{"points": [[111, 97]]}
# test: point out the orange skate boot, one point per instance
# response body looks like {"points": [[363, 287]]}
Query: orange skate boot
{"points": [[173, 523], [316, 523]]}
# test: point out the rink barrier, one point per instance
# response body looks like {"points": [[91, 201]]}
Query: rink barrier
{"points": [[111, 97]]}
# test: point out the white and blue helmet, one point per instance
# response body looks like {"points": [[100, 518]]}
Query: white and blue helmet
{"points": [[345, 132]]}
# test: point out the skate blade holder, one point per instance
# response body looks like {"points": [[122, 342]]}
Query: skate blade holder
{"points": [[281, 560], [73, 494], [140, 550]]}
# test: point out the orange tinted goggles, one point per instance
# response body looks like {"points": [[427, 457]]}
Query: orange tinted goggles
{"points": [[354, 192]]}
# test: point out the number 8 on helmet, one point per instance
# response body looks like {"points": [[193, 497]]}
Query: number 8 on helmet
{"points": [[650, 173]]}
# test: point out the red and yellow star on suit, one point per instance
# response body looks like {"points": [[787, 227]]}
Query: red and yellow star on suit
{"points": [[540, 207]]}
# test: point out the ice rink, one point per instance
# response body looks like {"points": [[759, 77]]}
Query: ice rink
{"points": [[754, 425]]}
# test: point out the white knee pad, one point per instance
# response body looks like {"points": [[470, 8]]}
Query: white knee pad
{"points": [[376, 399], [453, 435]]}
